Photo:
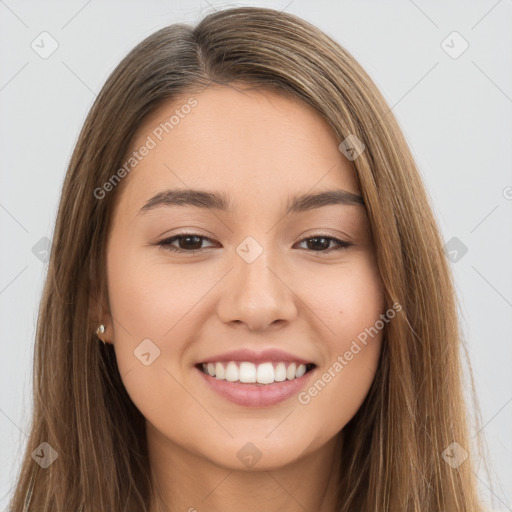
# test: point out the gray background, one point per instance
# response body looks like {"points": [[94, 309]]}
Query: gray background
{"points": [[455, 112]]}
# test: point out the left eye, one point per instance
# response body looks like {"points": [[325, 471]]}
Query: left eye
{"points": [[191, 243], [323, 243]]}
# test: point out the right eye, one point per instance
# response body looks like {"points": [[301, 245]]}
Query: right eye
{"points": [[190, 243]]}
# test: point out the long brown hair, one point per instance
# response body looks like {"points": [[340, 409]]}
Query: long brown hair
{"points": [[392, 455]]}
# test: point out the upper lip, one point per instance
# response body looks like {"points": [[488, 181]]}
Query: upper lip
{"points": [[263, 356]]}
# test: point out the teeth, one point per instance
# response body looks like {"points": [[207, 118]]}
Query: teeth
{"points": [[290, 372], [219, 371], [246, 372], [280, 372], [265, 373], [231, 372], [301, 370]]}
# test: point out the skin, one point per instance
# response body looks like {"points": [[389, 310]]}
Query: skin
{"points": [[260, 148]]}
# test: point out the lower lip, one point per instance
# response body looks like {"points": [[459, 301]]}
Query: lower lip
{"points": [[252, 395]]}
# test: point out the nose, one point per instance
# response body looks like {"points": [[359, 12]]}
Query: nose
{"points": [[257, 294]]}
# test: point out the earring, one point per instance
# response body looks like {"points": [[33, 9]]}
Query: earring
{"points": [[101, 330]]}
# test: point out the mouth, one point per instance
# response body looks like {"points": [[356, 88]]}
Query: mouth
{"points": [[262, 374]]}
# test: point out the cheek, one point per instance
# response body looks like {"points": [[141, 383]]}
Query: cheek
{"points": [[352, 310], [338, 390], [149, 301], [347, 298], [149, 298], [163, 303], [143, 308]]}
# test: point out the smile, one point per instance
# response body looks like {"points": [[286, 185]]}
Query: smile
{"points": [[255, 385]]}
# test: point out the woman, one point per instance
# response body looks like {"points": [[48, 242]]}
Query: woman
{"points": [[306, 357]]}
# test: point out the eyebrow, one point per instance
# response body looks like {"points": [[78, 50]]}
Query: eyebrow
{"points": [[220, 201]]}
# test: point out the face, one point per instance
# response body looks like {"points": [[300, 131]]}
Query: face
{"points": [[260, 286]]}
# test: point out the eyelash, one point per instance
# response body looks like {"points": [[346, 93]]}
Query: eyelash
{"points": [[167, 243]]}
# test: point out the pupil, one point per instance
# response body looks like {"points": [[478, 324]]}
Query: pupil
{"points": [[313, 245], [197, 245]]}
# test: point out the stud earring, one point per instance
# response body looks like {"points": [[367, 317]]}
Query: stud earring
{"points": [[101, 330]]}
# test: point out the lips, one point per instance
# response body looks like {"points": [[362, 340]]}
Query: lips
{"points": [[257, 394], [256, 378]]}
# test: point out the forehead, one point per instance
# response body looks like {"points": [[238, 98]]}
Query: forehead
{"points": [[257, 145]]}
